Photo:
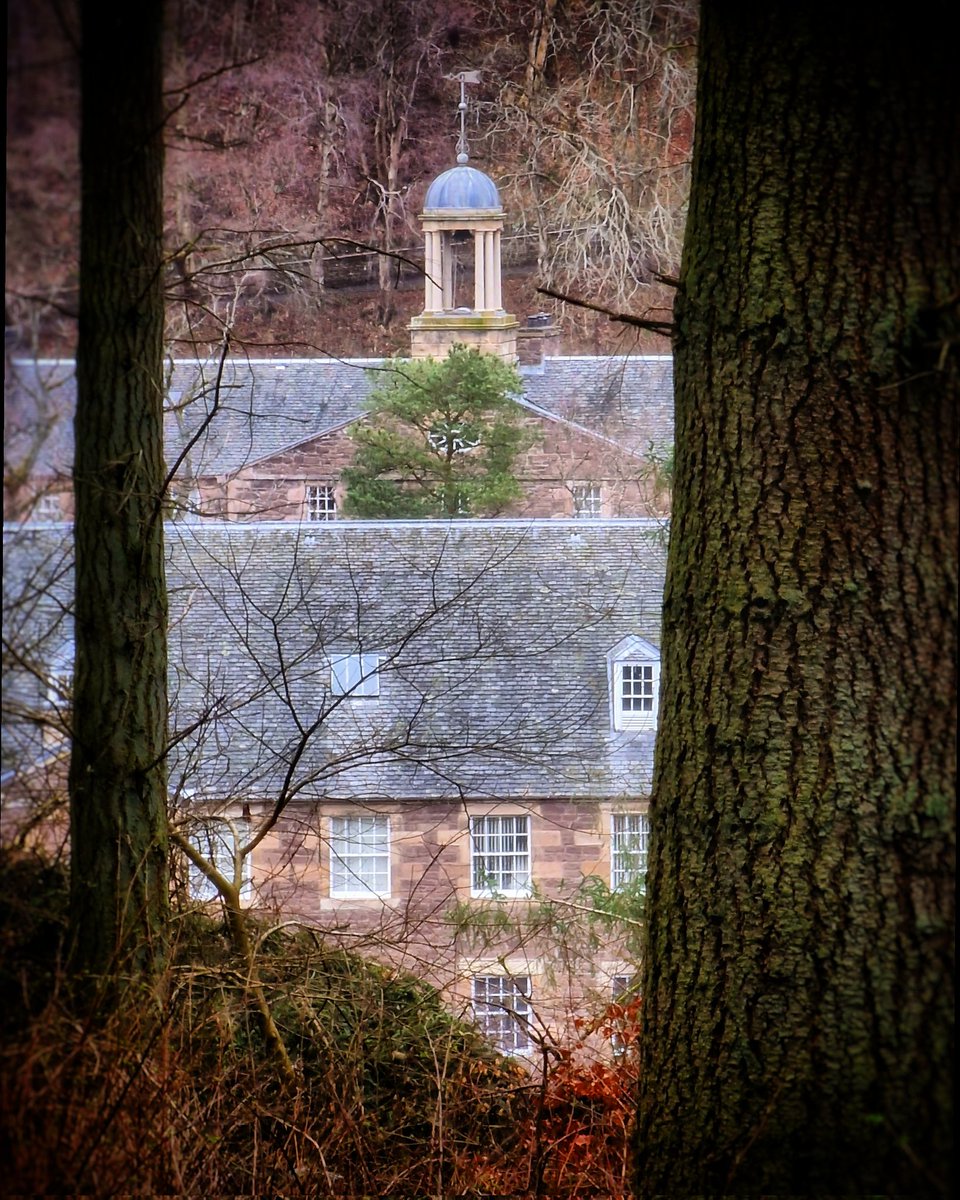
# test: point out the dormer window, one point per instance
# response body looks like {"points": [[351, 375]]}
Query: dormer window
{"points": [[355, 675], [633, 667]]}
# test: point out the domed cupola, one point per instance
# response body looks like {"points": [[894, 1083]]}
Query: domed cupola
{"points": [[462, 206], [461, 188]]}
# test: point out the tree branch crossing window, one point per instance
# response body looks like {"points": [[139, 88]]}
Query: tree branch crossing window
{"points": [[360, 856], [355, 675], [629, 834], [587, 500], [216, 840], [501, 1007], [320, 502], [500, 856]]}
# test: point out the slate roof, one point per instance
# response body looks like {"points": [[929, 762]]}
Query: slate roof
{"points": [[493, 637], [626, 397], [270, 405]]}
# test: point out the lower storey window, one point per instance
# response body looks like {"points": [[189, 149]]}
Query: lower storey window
{"points": [[216, 841], [500, 856], [501, 1007], [625, 997], [360, 856], [630, 834]]}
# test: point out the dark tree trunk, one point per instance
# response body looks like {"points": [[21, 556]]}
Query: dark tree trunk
{"points": [[798, 1000], [117, 776]]}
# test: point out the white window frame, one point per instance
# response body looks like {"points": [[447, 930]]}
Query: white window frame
{"points": [[355, 675], [359, 856], [47, 508], [501, 1009], [621, 984], [320, 502], [634, 677], [500, 855], [629, 844], [58, 684], [451, 440], [587, 500], [216, 840]]}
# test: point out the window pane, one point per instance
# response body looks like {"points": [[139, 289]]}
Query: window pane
{"points": [[502, 1010], [637, 687], [451, 439], [630, 832], [635, 693], [216, 842], [587, 500], [360, 856], [355, 675], [320, 503], [500, 851]]}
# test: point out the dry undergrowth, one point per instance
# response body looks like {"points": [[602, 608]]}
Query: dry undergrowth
{"points": [[175, 1093]]}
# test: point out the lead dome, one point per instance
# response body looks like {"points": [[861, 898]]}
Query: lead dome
{"points": [[462, 188]]}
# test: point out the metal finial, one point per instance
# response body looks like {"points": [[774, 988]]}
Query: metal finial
{"points": [[462, 155], [463, 78]]}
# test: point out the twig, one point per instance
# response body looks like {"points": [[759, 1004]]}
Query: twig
{"points": [[662, 327]]}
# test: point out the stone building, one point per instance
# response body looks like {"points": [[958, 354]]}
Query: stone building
{"points": [[403, 733], [401, 723], [274, 437], [268, 439]]}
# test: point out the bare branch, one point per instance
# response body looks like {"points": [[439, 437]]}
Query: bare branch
{"points": [[663, 327]]}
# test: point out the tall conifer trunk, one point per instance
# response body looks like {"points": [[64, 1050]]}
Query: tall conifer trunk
{"points": [[117, 776], [798, 998]]}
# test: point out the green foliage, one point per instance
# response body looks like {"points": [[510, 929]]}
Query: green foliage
{"points": [[576, 920], [662, 460], [441, 440]]}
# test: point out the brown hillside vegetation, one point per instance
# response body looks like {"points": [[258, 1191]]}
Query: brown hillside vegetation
{"points": [[176, 1093], [302, 136]]}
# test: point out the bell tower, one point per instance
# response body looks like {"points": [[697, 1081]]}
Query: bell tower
{"points": [[462, 212]]}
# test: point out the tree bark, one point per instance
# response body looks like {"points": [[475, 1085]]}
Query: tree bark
{"points": [[117, 776], [798, 998]]}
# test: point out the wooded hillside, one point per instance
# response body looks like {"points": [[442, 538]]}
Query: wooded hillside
{"points": [[301, 137]]}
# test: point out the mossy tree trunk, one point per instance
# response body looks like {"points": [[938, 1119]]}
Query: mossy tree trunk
{"points": [[117, 777], [798, 998]]}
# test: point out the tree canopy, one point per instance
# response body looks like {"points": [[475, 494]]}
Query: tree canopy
{"points": [[441, 439]]}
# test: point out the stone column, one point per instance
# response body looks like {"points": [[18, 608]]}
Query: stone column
{"points": [[446, 254], [491, 271], [479, 272], [433, 301]]}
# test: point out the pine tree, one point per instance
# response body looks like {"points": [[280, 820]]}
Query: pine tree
{"points": [[440, 441]]}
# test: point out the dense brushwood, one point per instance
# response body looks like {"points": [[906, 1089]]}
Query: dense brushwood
{"points": [[175, 1091]]}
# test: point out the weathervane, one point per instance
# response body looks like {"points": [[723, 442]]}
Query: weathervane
{"points": [[463, 78]]}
